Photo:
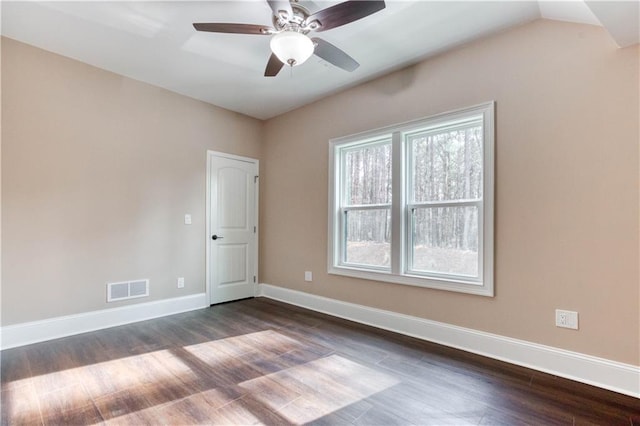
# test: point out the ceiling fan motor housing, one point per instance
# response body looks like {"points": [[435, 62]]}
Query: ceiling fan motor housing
{"points": [[283, 21]]}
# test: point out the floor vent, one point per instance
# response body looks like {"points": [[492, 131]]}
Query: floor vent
{"points": [[127, 290]]}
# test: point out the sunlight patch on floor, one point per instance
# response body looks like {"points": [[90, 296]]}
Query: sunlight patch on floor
{"points": [[317, 388], [76, 387], [270, 342], [216, 381]]}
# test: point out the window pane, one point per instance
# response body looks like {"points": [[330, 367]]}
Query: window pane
{"points": [[445, 240], [368, 175], [368, 237], [446, 166]]}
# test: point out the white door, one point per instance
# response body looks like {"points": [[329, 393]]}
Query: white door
{"points": [[232, 228]]}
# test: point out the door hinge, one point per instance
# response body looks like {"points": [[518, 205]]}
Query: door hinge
{"points": [[254, 229], [254, 278], [255, 179]]}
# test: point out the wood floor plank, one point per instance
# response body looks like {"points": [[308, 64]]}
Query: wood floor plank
{"points": [[188, 411], [147, 416], [306, 409], [85, 415], [20, 405], [260, 361], [379, 415], [495, 417], [270, 392], [247, 411], [14, 367], [70, 398], [122, 403]]}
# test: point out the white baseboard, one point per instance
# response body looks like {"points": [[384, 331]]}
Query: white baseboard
{"points": [[611, 375], [38, 331]]}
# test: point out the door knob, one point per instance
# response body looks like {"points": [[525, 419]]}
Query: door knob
{"points": [[215, 237]]}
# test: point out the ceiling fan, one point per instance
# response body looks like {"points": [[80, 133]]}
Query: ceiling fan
{"points": [[292, 22]]}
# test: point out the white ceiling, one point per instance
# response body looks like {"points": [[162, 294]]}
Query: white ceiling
{"points": [[155, 41]]}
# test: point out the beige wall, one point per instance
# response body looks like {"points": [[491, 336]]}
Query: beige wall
{"points": [[98, 171], [567, 232]]}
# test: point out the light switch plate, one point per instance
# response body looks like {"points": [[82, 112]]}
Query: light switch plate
{"points": [[187, 219], [308, 276]]}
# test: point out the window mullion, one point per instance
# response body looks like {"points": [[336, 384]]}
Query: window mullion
{"points": [[397, 203]]}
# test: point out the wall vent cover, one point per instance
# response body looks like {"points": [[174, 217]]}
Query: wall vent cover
{"points": [[127, 290]]}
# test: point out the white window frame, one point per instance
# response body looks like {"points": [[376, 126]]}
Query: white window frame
{"points": [[400, 210]]}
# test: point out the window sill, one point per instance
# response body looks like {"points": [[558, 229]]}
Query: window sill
{"points": [[457, 286]]}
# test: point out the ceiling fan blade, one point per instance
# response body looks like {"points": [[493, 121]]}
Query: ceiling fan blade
{"points": [[233, 28], [273, 66], [344, 13], [333, 55], [281, 6]]}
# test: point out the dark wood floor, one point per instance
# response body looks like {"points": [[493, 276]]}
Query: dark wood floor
{"points": [[261, 361]]}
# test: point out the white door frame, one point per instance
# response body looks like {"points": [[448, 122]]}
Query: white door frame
{"points": [[208, 266]]}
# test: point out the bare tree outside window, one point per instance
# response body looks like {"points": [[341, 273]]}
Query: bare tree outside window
{"points": [[446, 168], [368, 200]]}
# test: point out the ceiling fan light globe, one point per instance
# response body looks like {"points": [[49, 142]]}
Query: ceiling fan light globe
{"points": [[291, 47]]}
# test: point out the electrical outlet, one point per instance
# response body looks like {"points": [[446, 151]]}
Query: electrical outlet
{"points": [[308, 276], [566, 319], [180, 282], [187, 219]]}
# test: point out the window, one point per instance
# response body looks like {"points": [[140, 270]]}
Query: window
{"points": [[413, 203]]}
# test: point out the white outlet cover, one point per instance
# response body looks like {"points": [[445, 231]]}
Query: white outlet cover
{"points": [[181, 282], [566, 319], [187, 219], [308, 276]]}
